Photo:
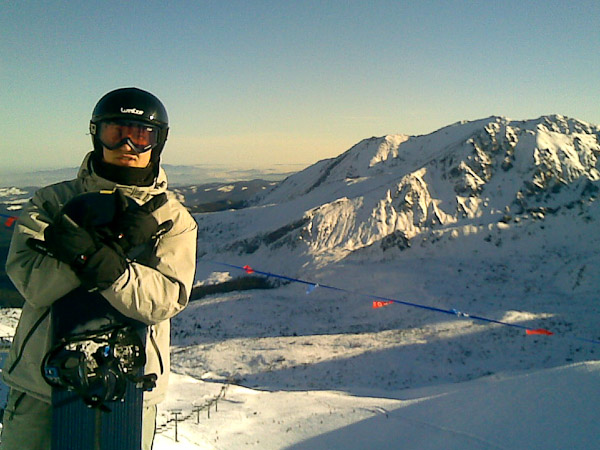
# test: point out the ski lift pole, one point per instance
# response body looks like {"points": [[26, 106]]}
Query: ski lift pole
{"points": [[197, 410], [176, 413]]}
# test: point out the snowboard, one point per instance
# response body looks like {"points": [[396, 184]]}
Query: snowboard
{"points": [[95, 368], [97, 356]]}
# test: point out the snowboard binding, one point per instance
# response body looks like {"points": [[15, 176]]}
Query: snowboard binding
{"points": [[97, 366]]}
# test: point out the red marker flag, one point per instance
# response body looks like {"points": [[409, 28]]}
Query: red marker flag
{"points": [[248, 269], [10, 221], [380, 304], [540, 331]]}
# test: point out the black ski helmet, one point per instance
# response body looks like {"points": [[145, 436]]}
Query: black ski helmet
{"points": [[131, 104]]}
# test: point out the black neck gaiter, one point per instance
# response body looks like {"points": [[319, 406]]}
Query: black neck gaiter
{"points": [[130, 176]]}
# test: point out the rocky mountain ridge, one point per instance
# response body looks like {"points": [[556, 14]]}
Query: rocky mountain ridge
{"points": [[396, 191]]}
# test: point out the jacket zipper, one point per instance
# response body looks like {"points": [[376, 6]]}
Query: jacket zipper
{"points": [[27, 337]]}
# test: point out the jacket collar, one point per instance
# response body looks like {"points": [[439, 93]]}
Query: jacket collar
{"points": [[93, 182]]}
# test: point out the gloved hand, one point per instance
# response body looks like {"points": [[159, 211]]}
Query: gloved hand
{"points": [[102, 268], [68, 242], [135, 225], [96, 264]]}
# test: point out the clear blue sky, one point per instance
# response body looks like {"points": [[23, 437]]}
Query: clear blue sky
{"points": [[264, 82]]}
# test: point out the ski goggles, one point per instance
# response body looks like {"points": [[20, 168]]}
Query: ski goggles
{"points": [[140, 136]]}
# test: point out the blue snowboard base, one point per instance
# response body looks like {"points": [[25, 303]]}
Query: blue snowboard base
{"points": [[75, 426]]}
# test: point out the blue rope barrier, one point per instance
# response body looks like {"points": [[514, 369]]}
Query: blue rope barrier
{"points": [[387, 300]]}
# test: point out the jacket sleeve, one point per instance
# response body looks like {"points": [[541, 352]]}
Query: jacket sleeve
{"points": [[40, 279], [153, 293]]}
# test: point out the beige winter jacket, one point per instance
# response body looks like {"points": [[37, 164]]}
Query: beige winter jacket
{"points": [[149, 294]]}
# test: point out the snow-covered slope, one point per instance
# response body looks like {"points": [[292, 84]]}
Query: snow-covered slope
{"points": [[552, 409]]}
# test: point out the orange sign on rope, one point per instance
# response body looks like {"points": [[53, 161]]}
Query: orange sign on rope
{"points": [[540, 331], [380, 304]]}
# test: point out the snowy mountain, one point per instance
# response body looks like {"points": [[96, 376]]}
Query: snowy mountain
{"points": [[400, 191]]}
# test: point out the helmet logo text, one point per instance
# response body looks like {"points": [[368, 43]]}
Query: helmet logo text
{"points": [[131, 111]]}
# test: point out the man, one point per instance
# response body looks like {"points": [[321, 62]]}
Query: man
{"points": [[129, 129]]}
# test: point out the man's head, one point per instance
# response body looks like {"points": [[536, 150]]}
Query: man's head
{"points": [[129, 128]]}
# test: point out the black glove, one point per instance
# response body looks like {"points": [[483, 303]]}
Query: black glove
{"points": [[97, 265], [102, 268], [135, 225], [68, 242]]}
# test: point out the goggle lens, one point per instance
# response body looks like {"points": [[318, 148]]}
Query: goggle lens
{"points": [[140, 136]]}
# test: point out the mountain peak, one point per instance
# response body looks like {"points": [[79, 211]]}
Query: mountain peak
{"points": [[400, 190]]}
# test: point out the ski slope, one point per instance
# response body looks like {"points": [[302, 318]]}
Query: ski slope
{"points": [[547, 409]]}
